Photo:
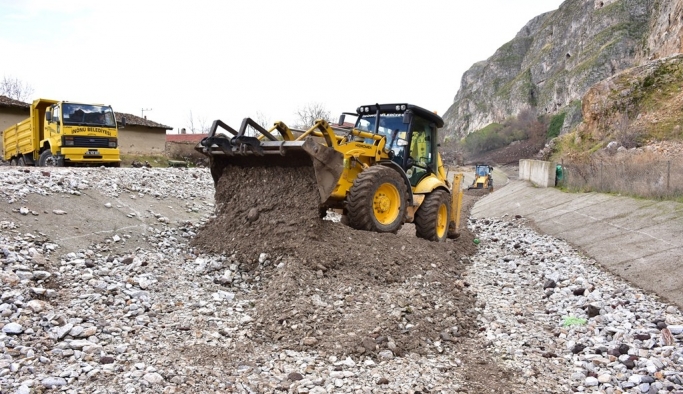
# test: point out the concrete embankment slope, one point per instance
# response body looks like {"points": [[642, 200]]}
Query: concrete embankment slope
{"points": [[639, 240]]}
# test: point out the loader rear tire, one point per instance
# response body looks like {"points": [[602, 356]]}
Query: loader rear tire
{"points": [[431, 219], [377, 200]]}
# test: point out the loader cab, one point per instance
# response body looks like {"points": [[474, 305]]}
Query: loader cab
{"points": [[411, 135], [483, 169], [421, 152]]}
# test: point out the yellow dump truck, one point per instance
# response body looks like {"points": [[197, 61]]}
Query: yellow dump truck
{"points": [[59, 133]]}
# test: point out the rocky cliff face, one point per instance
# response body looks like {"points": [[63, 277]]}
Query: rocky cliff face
{"points": [[558, 56], [666, 31], [642, 102]]}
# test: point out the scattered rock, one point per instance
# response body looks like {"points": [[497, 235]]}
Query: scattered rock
{"points": [[53, 382], [12, 329]]}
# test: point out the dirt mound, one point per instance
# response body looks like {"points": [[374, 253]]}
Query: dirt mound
{"points": [[477, 192], [509, 155], [330, 287]]}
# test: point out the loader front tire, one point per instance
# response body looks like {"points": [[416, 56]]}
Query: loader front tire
{"points": [[377, 200], [431, 219]]}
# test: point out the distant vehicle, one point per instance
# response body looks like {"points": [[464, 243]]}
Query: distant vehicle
{"points": [[59, 133], [482, 177]]}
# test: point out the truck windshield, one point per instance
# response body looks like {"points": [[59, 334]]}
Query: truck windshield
{"points": [[84, 114]]}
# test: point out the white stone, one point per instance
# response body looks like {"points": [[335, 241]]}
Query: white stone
{"points": [[604, 378], [38, 305], [591, 381], [52, 382], [13, 328], [675, 329], [153, 378]]}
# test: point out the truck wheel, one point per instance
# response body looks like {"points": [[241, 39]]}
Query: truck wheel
{"points": [[48, 160], [377, 200], [21, 162], [431, 219], [13, 162]]}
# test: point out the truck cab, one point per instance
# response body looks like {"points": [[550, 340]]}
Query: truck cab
{"points": [[77, 133]]}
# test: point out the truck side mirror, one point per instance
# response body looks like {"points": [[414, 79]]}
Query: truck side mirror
{"points": [[341, 119], [123, 122], [48, 117]]}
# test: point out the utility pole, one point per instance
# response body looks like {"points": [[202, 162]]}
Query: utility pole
{"points": [[142, 112]]}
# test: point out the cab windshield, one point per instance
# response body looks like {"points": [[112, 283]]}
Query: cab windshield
{"points": [[88, 115], [387, 123], [390, 125]]}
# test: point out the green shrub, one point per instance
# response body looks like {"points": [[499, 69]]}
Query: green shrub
{"points": [[556, 125], [526, 125]]}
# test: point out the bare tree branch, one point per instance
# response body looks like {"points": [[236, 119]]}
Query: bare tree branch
{"points": [[203, 124], [15, 89], [190, 123], [309, 113], [263, 121]]}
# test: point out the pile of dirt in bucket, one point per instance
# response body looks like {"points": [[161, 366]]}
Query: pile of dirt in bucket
{"points": [[339, 290]]}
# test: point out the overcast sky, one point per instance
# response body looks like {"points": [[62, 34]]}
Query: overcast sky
{"points": [[231, 59]]}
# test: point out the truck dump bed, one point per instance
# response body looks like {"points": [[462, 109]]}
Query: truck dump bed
{"points": [[18, 138]]}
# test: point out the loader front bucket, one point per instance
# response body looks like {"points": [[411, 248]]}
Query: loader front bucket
{"points": [[245, 151]]}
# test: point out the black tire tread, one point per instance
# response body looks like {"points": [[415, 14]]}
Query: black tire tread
{"points": [[359, 201], [426, 215], [43, 157]]}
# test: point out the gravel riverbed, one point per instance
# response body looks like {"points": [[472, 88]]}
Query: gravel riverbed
{"points": [[554, 314], [160, 316]]}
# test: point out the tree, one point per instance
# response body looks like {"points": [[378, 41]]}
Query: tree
{"points": [[263, 120], [15, 89], [197, 124], [309, 113]]}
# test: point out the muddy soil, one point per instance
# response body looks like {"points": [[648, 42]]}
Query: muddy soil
{"points": [[398, 292]]}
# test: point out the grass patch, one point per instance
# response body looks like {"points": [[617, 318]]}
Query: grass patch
{"points": [[153, 160], [556, 125]]}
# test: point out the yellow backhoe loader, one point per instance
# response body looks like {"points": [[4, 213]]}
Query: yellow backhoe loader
{"points": [[482, 177], [380, 174]]}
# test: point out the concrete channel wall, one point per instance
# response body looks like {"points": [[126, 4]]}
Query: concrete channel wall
{"points": [[540, 173], [637, 239]]}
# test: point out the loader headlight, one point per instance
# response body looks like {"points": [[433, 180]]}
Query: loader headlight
{"points": [[403, 107], [112, 143], [398, 108], [367, 109]]}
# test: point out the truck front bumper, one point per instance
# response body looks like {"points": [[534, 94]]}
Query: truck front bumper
{"points": [[91, 155]]}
